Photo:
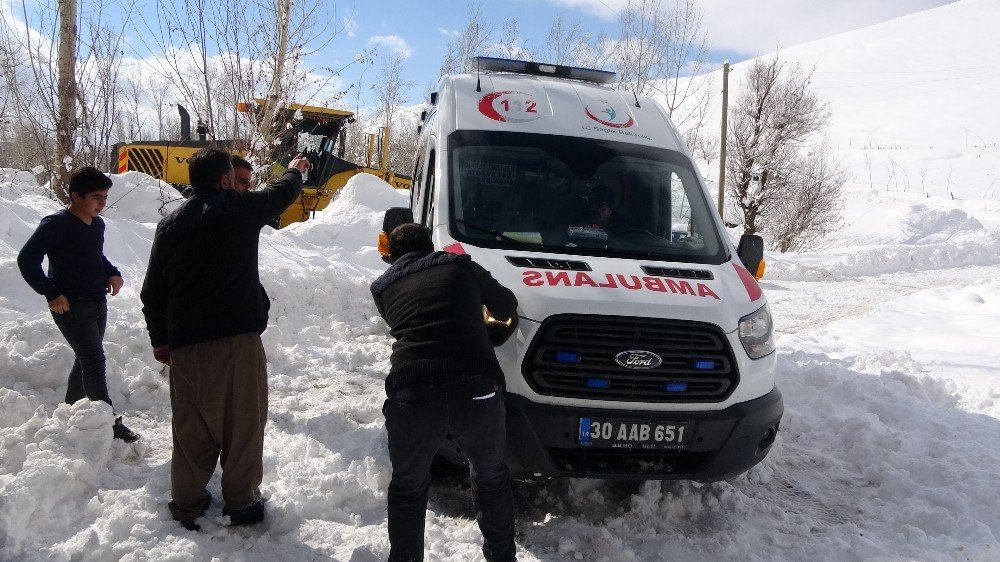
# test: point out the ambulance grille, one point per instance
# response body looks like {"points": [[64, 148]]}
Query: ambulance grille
{"points": [[573, 356]]}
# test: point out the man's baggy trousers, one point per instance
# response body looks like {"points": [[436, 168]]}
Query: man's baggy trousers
{"points": [[418, 417], [218, 395]]}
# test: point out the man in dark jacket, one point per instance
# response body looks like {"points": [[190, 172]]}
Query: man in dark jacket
{"points": [[205, 310], [444, 380], [77, 285]]}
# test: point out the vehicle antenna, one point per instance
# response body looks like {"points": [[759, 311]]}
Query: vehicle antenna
{"points": [[636, 98], [478, 86]]}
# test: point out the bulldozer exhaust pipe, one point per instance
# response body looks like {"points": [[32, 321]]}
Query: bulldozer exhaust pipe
{"points": [[185, 123]]}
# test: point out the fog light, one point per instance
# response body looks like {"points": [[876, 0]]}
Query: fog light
{"points": [[675, 386], [567, 357], [769, 436]]}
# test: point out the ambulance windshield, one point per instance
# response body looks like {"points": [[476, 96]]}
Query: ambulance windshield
{"points": [[578, 196]]}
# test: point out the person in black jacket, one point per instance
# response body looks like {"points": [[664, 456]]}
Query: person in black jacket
{"points": [[80, 278], [205, 310], [444, 380]]}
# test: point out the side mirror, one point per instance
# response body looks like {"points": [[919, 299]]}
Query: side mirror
{"points": [[394, 216], [751, 253]]}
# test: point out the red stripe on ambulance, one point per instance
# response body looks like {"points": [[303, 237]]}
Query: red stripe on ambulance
{"points": [[753, 288], [533, 278]]}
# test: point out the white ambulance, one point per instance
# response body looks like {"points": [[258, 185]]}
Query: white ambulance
{"points": [[643, 346]]}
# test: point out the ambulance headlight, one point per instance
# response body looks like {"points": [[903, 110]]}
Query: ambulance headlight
{"points": [[757, 333]]}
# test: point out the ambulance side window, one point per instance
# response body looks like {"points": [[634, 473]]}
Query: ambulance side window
{"points": [[428, 200]]}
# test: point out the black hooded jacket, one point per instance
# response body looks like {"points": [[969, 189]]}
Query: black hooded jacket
{"points": [[202, 282], [433, 304]]}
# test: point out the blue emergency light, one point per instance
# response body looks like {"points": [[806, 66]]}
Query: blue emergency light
{"points": [[567, 357], [704, 364], [493, 64], [598, 383], [675, 386]]}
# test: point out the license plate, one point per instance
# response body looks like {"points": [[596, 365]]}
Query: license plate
{"points": [[631, 434]]}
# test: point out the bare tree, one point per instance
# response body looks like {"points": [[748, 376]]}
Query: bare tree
{"points": [[61, 94], [774, 123], [473, 41], [639, 52], [390, 88], [102, 89], [566, 43], [511, 44], [809, 211], [657, 49]]}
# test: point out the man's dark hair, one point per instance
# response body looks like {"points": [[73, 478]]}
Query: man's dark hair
{"points": [[88, 180], [207, 167], [240, 162], [409, 237]]}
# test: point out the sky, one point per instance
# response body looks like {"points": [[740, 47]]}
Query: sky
{"points": [[735, 29], [887, 359]]}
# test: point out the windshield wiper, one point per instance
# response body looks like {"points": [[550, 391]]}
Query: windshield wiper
{"points": [[499, 236]]}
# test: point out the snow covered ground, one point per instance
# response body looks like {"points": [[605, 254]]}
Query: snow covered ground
{"points": [[889, 447], [888, 357]]}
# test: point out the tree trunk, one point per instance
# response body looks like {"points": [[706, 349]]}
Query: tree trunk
{"points": [[66, 92], [283, 9]]}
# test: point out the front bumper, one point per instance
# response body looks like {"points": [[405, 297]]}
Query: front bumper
{"points": [[542, 442]]}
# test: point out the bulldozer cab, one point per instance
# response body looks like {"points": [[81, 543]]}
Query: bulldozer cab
{"points": [[319, 134]]}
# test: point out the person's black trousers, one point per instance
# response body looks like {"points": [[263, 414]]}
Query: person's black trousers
{"points": [[83, 327], [417, 419]]}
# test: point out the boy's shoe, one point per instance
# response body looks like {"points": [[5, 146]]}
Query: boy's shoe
{"points": [[249, 515], [121, 431]]}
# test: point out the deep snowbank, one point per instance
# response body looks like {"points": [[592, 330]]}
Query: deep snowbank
{"points": [[888, 447]]}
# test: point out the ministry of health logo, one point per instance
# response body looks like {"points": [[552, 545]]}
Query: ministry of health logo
{"points": [[608, 116]]}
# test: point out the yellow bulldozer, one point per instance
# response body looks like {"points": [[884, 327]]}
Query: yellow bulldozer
{"points": [[317, 132]]}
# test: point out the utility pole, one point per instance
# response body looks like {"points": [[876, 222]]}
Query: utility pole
{"points": [[725, 125]]}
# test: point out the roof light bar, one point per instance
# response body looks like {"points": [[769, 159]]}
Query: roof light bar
{"points": [[493, 64]]}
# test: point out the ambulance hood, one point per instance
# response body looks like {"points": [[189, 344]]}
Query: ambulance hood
{"points": [[718, 294]]}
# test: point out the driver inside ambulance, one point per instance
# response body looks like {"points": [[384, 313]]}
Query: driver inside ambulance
{"points": [[602, 213]]}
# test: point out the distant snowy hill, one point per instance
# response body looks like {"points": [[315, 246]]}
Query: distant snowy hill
{"points": [[910, 99]]}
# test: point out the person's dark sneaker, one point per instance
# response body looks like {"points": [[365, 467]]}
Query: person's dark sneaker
{"points": [[183, 519], [249, 515], [121, 431]]}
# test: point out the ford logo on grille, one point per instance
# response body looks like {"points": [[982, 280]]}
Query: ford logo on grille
{"points": [[638, 359]]}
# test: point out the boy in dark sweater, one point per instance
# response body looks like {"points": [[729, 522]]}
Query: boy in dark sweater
{"points": [[76, 287], [444, 380]]}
